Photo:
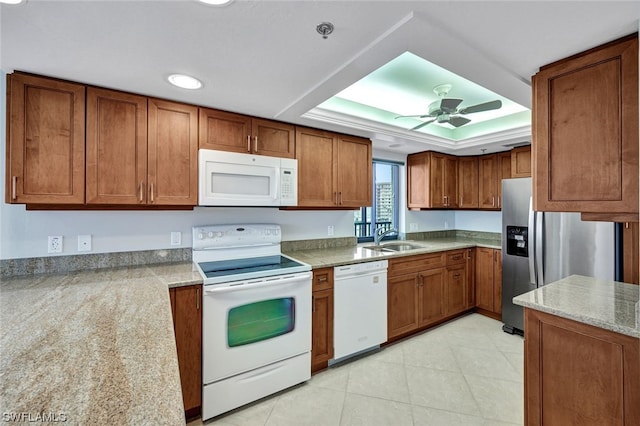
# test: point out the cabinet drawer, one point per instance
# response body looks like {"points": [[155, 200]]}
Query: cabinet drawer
{"points": [[456, 257], [410, 264], [322, 279]]}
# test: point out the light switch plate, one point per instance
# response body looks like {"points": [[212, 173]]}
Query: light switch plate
{"points": [[176, 238]]}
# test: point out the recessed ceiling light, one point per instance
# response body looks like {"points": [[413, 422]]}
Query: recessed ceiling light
{"points": [[216, 2], [184, 81]]}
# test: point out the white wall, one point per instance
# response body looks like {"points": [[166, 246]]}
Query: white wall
{"points": [[476, 220]]}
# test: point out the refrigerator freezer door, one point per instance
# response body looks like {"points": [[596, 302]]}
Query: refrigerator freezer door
{"points": [[516, 279]]}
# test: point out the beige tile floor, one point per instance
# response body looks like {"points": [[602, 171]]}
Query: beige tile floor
{"points": [[465, 372]]}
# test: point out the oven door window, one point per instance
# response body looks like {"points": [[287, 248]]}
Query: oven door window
{"points": [[260, 321]]}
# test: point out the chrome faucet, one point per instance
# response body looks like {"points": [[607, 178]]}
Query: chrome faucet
{"points": [[380, 233]]}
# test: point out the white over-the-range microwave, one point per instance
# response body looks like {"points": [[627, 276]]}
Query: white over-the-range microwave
{"points": [[235, 179]]}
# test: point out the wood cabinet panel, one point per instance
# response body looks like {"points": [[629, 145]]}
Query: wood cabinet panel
{"points": [[579, 374], [585, 132], [322, 318], [224, 131], [273, 138], [172, 153], [468, 182], [187, 303], [432, 180], [521, 162], [470, 260], [504, 172], [45, 141], [456, 289], [487, 181], [418, 187], [334, 171], [116, 147], [417, 263], [489, 280], [402, 304], [317, 171], [431, 296], [354, 172]]}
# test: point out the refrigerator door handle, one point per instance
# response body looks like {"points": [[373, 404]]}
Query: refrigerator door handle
{"points": [[531, 243], [540, 248]]}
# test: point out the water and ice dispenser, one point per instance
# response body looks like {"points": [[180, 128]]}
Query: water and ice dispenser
{"points": [[518, 241]]}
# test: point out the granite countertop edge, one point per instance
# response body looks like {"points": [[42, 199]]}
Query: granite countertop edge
{"points": [[617, 310]]}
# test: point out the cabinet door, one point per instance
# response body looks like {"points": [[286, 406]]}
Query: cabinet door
{"points": [[484, 278], [315, 151], [188, 330], [497, 281], [402, 304], [436, 176], [630, 254], [45, 141], [468, 182], [521, 162], [224, 131], [418, 180], [471, 277], [322, 326], [116, 147], [585, 132], [504, 172], [272, 138], [487, 178], [172, 153], [456, 289], [354, 172], [451, 181], [431, 296]]}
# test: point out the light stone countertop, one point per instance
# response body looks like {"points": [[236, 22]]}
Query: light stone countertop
{"points": [[93, 347], [329, 257], [605, 304]]}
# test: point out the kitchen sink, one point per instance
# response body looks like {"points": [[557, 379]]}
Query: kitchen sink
{"points": [[394, 247]]}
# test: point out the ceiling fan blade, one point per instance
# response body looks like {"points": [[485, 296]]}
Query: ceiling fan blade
{"points": [[423, 124], [410, 116], [458, 121], [487, 106], [449, 105]]}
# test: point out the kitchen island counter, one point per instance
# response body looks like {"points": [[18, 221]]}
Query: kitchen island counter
{"points": [[605, 304], [93, 347]]}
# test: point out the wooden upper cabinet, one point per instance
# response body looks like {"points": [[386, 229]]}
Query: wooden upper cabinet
{"points": [[355, 165], [504, 172], [432, 180], [585, 131], [116, 147], [468, 182], [488, 181], [521, 162], [226, 131], [45, 141], [172, 156], [333, 170], [273, 138]]}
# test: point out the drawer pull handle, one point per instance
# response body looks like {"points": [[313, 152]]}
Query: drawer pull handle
{"points": [[248, 143], [255, 144], [140, 190], [14, 187]]}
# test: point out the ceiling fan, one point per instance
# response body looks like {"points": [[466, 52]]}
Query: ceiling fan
{"points": [[446, 110]]}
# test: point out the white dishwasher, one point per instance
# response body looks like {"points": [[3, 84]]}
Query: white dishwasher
{"points": [[360, 308]]}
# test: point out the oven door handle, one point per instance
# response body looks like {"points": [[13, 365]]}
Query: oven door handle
{"points": [[267, 282]]}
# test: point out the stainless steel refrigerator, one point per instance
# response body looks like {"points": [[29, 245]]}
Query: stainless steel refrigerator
{"points": [[539, 248]]}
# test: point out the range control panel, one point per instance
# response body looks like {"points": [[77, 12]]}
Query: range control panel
{"points": [[235, 235], [518, 241]]}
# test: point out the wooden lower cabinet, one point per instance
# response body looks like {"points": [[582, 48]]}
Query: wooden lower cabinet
{"points": [[630, 253], [470, 259], [424, 290], [322, 319], [186, 305], [489, 281], [577, 374]]}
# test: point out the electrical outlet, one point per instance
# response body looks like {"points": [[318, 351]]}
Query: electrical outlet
{"points": [[84, 242], [54, 244], [176, 238], [330, 230]]}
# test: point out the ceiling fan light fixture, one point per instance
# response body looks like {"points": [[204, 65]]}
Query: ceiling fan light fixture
{"points": [[184, 81], [216, 2], [12, 1]]}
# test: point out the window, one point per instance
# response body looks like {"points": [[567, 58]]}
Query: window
{"points": [[384, 212]]}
